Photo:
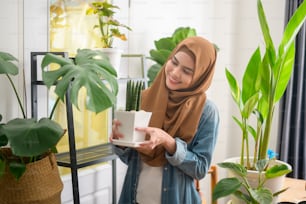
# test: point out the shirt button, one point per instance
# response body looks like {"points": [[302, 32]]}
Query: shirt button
{"points": [[165, 189], [166, 168]]}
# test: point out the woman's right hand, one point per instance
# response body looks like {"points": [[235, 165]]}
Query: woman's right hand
{"points": [[115, 131]]}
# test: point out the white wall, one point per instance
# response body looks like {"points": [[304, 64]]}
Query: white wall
{"points": [[231, 24]]}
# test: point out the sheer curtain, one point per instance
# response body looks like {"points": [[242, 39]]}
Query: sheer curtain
{"points": [[292, 129]]}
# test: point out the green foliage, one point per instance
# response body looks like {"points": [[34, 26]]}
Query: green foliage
{"points": [[240, 187], [133, 94], [264, 82], [87, 70], [28, 139], [108, 26]]}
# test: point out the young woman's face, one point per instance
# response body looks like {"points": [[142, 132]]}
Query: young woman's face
{"points": [[179, 71]]}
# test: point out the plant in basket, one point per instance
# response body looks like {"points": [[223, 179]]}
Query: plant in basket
{"points": [[263, 84], [26, 147], [26, 142]]}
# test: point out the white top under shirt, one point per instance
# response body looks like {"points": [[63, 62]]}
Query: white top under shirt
{"points": [[149, 184]]}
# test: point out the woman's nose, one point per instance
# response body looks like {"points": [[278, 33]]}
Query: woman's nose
{"points": [[176, 71]]}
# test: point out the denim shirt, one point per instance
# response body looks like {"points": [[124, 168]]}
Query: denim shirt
{"points": [[190, 161]]}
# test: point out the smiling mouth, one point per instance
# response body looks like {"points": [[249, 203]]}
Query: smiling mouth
{"points": [[173, 81]]}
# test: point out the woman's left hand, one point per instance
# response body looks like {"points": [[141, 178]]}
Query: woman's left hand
{"points": [[157, 137]]}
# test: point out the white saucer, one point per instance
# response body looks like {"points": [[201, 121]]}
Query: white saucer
{"points": [[126, 143]]}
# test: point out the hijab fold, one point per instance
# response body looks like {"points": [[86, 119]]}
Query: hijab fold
{"points": [[178, 112]]}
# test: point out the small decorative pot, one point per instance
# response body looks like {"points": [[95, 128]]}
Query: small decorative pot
{"points": [[129, 121]]}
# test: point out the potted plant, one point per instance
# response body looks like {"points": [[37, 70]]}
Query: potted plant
{"points": [[109, 29], [132, 116], [28, 146], [263, 84]]}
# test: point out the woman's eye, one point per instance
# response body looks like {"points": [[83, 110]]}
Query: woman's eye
{"points": [[174, 62], [188, 71]]}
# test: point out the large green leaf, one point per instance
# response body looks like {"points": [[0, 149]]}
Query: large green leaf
{"points": [[234, 86], [261, 164], [234, 167], [285, 72], [17, 169], [3, 140], [6, 64], [250, 105], [28, 138], [90, 70], [262, 195], [265, 31], [182, 33], [265, 77], [292, 28], [251, 79], [277, 170], [152, 72], [226, 187], [165, 44], [160, 56]]}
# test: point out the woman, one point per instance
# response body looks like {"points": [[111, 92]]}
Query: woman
{"points": [[181, 134]]}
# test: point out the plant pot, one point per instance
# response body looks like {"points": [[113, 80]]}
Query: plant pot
{"points": [[40, 184], [114, 55], [129, 121], [275, 184]]}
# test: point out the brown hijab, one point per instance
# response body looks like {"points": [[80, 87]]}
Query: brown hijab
{"points": [[178, 112]]}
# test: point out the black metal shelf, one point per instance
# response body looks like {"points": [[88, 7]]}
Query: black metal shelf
{"points": [[88, 156]]}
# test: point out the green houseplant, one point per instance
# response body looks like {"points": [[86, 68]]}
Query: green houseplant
{"points": [[108, 25], [109, 29], [263, 84], [30, 141], [24, 136], [133, 91], [132, 116], [26, 147]]}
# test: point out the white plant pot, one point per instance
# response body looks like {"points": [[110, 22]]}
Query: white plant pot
{"points": [[275, 184], [129, 121], [114, 55]]}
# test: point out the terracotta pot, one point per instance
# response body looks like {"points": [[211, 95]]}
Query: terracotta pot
{"points": [[40, 184]]}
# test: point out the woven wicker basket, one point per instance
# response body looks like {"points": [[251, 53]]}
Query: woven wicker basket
{"points": [[40, 184]]}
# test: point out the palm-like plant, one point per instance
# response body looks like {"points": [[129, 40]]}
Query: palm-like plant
{"points": [[263, 84]]}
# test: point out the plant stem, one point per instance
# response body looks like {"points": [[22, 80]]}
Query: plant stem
{"points": [[54, 107], [266, 137], [259, 135], [17, 96], [244, 135]]}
